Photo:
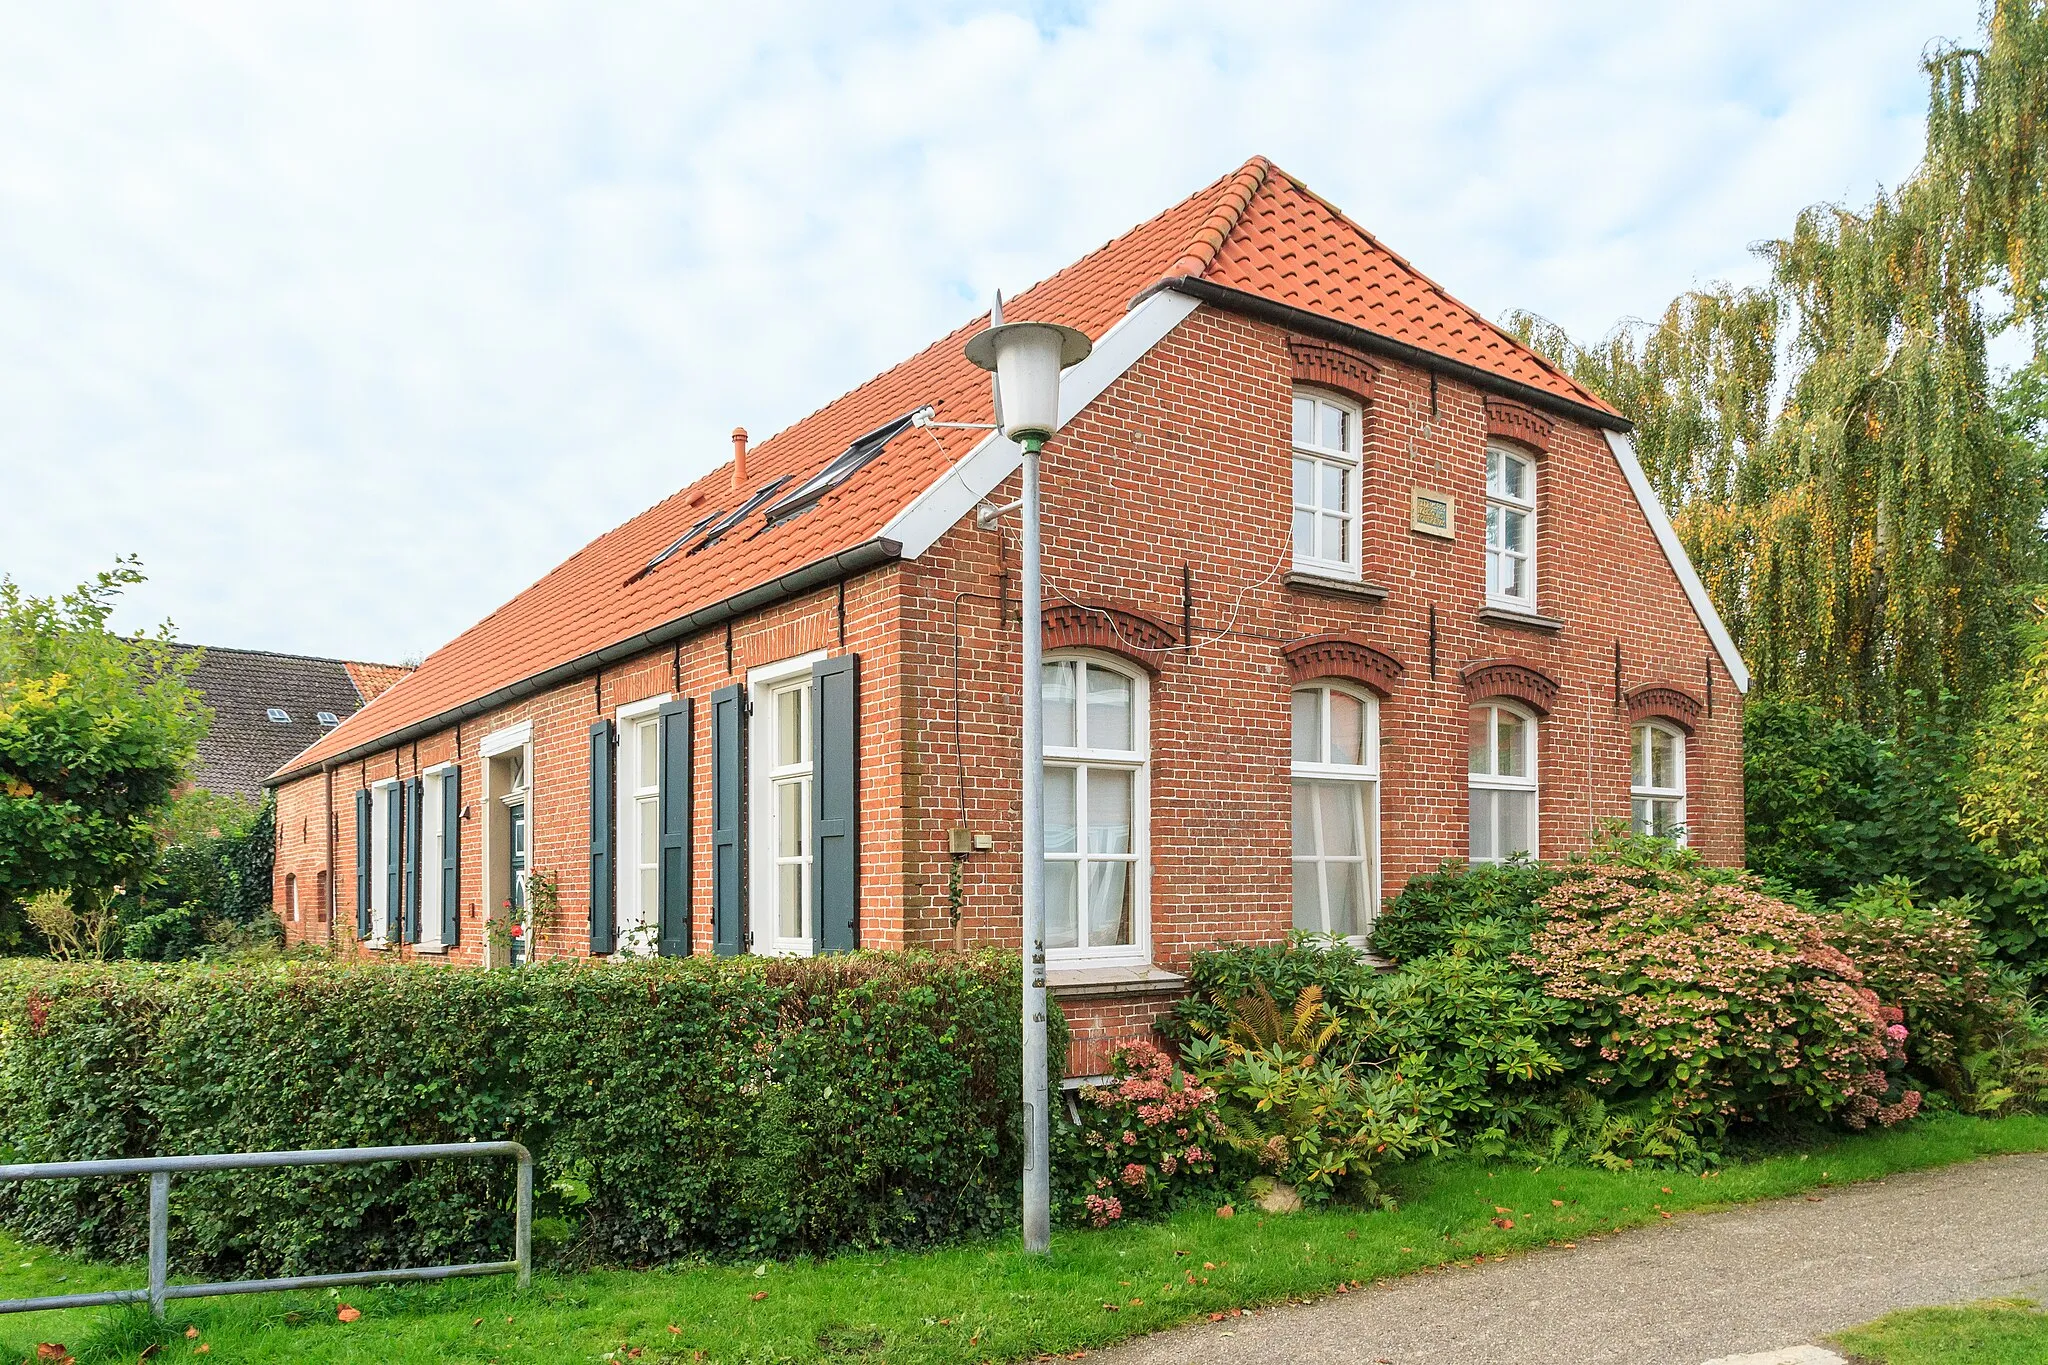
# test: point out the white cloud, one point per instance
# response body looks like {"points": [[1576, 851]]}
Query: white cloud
{"points": [[353, 320]]}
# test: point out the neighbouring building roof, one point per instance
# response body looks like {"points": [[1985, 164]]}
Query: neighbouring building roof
{"points": [[1257, 239], [248, 689]]}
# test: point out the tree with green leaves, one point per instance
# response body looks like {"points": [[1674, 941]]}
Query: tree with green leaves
{"points": [[1862, 495], [96, 733]]}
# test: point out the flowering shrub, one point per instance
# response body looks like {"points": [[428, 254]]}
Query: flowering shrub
{"points": [[1146, 1140], [1694, 992]]}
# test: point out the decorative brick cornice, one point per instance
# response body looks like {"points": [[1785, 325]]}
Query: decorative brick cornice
{"points": [[1331, 366], [1517, 679], [1507, 420], [1339, 655], [1663, 701], [1115, 630]]}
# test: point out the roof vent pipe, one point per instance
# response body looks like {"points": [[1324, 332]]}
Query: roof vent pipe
{"points": [[739, 457]]}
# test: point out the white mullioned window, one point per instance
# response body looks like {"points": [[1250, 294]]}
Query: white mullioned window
{"points": [[1336, 770], [1328, 440], [382, 912], [781, 811], [1510, 528], [1096, 806], [639, 825], [1657, 781], [433, 847], [1503, 783]]}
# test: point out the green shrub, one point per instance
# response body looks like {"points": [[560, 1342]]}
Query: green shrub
{"points": [[1483, 910], [1299, 1104], [1699, 1001], [209, 890], [1146, 1142], [674, 1107], [1221, 976]]}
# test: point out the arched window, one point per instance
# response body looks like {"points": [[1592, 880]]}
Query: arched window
{"points": [[1503, 782], [1657, 781], [1510, 529], [1095, 810], [1327, 446], [1336, 770]]}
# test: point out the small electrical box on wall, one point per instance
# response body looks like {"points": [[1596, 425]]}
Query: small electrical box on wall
{"points": [[1433, 513], [959, 839]]}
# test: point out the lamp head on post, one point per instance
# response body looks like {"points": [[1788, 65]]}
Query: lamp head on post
{"points": [[1026, 358]]}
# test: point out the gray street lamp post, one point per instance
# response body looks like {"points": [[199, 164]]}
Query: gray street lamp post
{"points": [[1027, 358]]}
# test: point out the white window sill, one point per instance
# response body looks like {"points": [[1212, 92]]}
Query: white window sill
{"points": [[1519, 616], [430, 949], [378, 945], [1083, 982], [1344, 585]]}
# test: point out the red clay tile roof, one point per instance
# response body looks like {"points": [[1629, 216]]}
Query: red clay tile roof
{"points": [[372, 680], [1257, 231]]}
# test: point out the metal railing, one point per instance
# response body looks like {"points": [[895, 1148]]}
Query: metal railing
{"points": [[160, 1169]]}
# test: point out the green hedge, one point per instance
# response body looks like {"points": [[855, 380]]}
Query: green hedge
{"points": [[674, 1107]]}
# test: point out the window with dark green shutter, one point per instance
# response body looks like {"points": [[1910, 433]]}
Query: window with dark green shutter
{"points": [[728, 820], [364, 834], [414, 795], [835, 778], [451, 857], [394, 840], [673, 929], [603, 886]]}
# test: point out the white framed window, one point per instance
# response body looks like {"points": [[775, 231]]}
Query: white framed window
{"points": [[1327, 444], [1336, 768], [1503, 782], [1097, 807], [638, 896], [382, 856], [1657, 781], [433, 849], [1510, 529], [781, 752]]}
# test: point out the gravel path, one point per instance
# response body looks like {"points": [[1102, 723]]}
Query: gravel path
{"points": [[1743, 1280]]}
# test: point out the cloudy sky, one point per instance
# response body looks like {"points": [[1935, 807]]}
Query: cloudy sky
{"points": [[352, 320]]}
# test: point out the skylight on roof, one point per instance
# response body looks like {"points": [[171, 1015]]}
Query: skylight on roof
{"points": [[327, 718], [279, 715], [711, 536], [842, 468], [678, 543]]}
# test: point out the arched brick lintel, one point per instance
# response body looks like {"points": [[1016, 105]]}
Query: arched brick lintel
{"points": [[1507, 420], [1112, 629], [1663, 701], [1516, 679], [1339, 655], [1330, 366]]}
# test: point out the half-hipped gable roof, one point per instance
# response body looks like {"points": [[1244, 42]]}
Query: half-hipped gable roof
{"points": [[1257, 240]]}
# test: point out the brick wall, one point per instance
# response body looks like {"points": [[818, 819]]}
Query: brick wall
{"points": [[1170, 492]]}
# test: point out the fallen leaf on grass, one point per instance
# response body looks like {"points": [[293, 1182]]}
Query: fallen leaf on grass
{"points": [[53, 1351], [1662, 1214], [1218, 1317], [348, 1313], [1500, 1209], [1557, 1203], [1109, 1308], [674, 1330], [1226, 1212], [478, 1323], [1508, 1223], [1208, 1265], [1666, 1189], [191, 1332], [759, 1295], [1136, 1302]]}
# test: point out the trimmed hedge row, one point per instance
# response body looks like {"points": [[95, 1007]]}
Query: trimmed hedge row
{"points": [[674, 1107]]}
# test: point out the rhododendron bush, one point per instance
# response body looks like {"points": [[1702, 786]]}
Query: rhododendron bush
{"points": [[1147, 1139], [1695, 993]]}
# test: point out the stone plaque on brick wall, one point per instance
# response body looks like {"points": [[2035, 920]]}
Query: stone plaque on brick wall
{"points": [[1434, 513]]}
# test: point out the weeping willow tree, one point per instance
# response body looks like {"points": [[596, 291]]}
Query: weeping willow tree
{"points": [[1835, 451]]}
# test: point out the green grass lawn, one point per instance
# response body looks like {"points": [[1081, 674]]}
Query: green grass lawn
{"points": [[1998, 1332], [976, 1302]]}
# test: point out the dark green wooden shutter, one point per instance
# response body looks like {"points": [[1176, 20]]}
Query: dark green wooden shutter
{"points": [[394, 843], [363, 838], [728, 819], [835, 805], [674, 928], [603, 887], [451, 857], [414, 793]]}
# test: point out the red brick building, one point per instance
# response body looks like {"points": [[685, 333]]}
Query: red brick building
{"points": [[1341, 583]]}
